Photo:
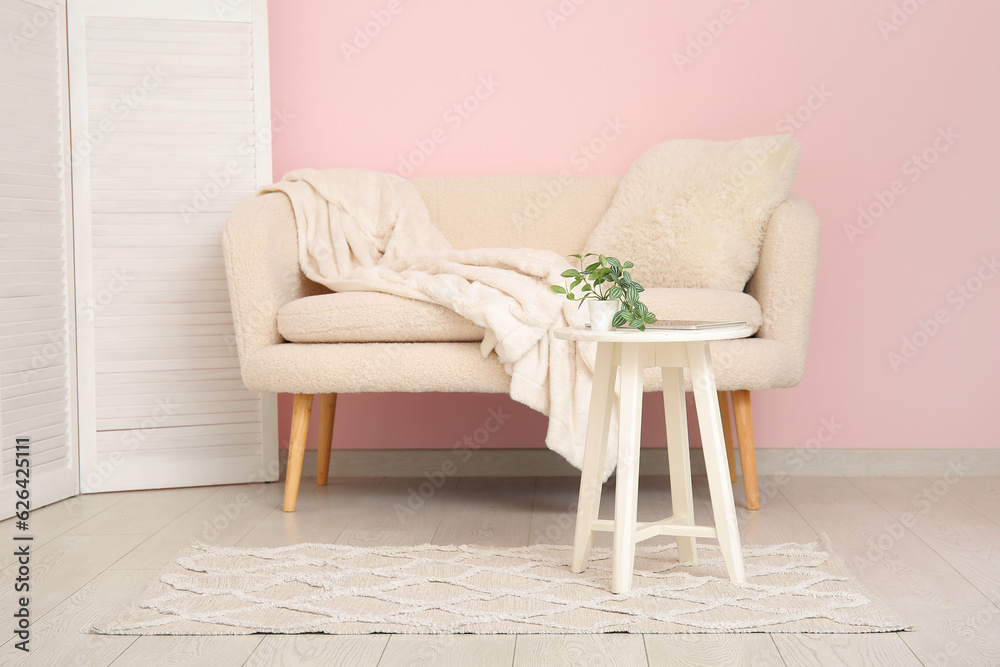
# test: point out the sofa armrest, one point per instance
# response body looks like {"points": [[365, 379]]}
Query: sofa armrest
{"points": [[785, 278], [260, 248]]}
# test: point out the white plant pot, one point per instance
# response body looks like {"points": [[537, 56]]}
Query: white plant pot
{"points": [[601, 313]]}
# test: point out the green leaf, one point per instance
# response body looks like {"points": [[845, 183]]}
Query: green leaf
{"points": [[614, 262], [618, 320], [591, 267], [586, 288], [649, 318], [631, 294], [576, 256], [640, 309], [558, 290], [627, 276], [576, 282], [615, 292], [570, 273], [627, 265]]}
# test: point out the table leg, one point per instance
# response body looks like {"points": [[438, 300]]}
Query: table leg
{"points": [[716, 465], [627, 480], [595, 450], [679, 454]]}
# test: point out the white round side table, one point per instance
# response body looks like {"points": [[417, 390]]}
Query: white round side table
{"points": [[672, 350]]}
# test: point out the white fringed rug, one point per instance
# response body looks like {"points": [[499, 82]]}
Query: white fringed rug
{"points": [[466, 589]]}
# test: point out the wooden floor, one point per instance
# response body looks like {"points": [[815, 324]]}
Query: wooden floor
{"points": [[929, 546]]}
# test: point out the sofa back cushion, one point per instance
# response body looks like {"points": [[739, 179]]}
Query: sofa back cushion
{"points": [[547, 212], [692, 213]]}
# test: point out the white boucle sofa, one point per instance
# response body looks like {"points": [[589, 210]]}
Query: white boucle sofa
{"points": [[295, 336]]}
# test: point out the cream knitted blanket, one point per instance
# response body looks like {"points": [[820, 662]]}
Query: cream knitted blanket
{"points": [[362, 230]]}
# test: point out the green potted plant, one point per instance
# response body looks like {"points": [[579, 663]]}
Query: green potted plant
{"points": [[612, 294]]}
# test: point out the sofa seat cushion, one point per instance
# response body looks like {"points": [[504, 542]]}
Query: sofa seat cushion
{"points": [[710, 305], [372, 317]]}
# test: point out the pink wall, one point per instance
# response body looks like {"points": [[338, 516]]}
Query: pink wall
{"points": [[883, 85]]}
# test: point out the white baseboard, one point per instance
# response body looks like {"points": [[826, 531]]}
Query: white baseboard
{"points": [[545, 463]]}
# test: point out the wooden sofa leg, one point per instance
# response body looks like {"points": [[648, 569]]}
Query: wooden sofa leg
{"points": [[727, 432], [301, 410], [748, 458], [327, 409]]}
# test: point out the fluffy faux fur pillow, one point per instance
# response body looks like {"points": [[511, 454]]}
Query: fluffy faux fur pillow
{"points": [[692, 213]]}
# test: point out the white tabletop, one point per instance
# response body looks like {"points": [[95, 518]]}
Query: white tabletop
{"points": [[652, 335]]}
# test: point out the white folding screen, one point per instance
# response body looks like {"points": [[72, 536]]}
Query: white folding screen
{"points": [[170, 118], [37, 343]]}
